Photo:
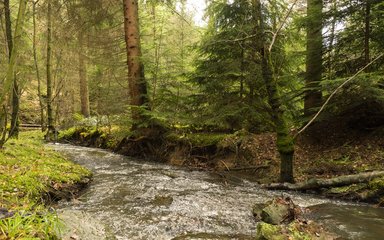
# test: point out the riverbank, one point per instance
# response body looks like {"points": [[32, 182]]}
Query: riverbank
{"points": [[319, 154], [32, 176]]}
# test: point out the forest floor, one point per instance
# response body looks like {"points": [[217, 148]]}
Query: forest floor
{"points": [[32, 176], [325, 151]]}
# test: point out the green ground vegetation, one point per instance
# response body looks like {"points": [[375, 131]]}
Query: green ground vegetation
{"points": [[29, 172]]}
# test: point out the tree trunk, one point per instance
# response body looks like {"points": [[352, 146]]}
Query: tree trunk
{"points": [[14, 130], [42, 117], [136, 80], [367, 33], [84, 93], [284, 141], [8, 82], [332, 40], [313, 94], [51, 129], [314, 184]]}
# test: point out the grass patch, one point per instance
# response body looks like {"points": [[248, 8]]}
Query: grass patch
{"points": [[29, 171]]}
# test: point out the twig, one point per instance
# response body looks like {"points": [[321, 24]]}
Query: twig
{"points": [[281, 25], [226, 166], [334, 92]]}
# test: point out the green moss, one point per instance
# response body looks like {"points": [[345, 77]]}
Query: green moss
{"points": [[347, 189], [377, 184], [197, 139], [296, 234], [205, 139], [285, 143], [68, 133], [28, 169], [267, 231], [295, 231]]}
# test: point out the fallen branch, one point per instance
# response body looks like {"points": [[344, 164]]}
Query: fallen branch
{"points": [[314, 183], [248, 168]]}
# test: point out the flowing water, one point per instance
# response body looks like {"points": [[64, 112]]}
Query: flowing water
{"points": [[134, 199]]}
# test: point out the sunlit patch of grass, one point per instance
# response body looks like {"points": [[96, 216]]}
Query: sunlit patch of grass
{"points": [[28, 169]]}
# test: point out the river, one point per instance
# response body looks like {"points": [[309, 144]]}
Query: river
{"points": [[134, 199]]}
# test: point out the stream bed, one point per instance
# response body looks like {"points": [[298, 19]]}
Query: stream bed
{"points": [[134, 199]]}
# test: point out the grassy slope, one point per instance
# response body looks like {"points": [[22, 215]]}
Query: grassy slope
{"points": [[29, 171]]}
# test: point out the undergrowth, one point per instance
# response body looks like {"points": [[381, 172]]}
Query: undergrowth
{"points": [[29, 170]]}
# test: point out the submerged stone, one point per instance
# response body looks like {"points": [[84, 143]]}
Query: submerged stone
{"points": [[162, 200]]}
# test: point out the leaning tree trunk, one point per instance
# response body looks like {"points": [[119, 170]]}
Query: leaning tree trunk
{"points": [[14, 130], [136, 80], [84, 93], [51, 129], [314, 62], [284, 141]]}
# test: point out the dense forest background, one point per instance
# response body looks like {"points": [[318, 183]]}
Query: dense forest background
{"points": [[258, 66]]}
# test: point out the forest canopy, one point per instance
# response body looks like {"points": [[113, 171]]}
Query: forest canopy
{"points": [[258, 66]]}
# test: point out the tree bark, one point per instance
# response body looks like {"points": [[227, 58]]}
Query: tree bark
{"points": [[332, 39], [136, 79], [84, 93], [14, 130], [41, 104], [50, 123], [314, 184], [314, 62], [284, 141]]}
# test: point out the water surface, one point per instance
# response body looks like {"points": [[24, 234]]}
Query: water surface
{"points": [[134, 199]]}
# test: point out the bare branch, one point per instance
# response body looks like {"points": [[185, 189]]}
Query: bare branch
{"points": [[335, 91], [281, 25]]}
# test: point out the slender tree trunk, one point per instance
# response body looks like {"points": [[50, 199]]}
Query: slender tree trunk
{"points": [[84, 93], [8, 27], [242, 67], [313, 94], [156, 55], [7, 85], [51, 128], [41, 104], [14, 130], [284, 141], [136, 79], [332, 39], [367, 33]]}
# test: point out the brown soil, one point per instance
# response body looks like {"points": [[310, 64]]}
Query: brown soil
{"points": [[65, 191]]}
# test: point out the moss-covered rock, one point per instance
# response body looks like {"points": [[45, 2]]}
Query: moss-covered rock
{"points": [[267, 231], [278, 211], [297, 230]]}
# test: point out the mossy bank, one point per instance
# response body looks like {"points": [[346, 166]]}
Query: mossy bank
{"points": [[32, 176]]}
